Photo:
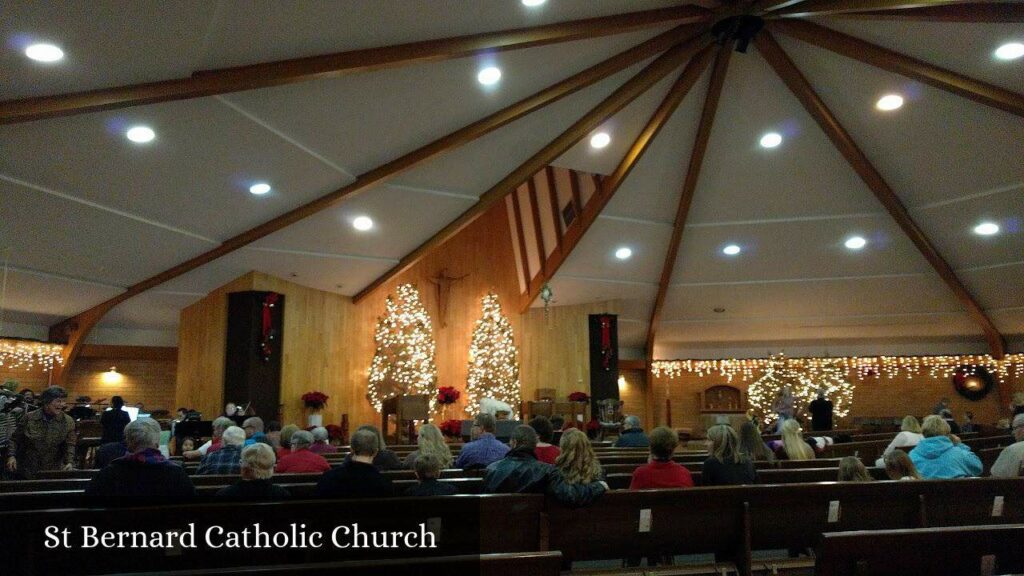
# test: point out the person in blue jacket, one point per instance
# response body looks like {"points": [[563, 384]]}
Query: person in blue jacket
{"points": [[941, 454]]}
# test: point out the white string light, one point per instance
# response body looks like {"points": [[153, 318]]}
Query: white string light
{"points": [[404, 361], [493, 371]]}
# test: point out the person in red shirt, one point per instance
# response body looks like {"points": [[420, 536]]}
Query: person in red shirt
{"points": [[545, 451], [661, 471], [301, 459]]}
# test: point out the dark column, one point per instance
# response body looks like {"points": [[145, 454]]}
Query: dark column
{"points": [[252, 359], [604, 359]]}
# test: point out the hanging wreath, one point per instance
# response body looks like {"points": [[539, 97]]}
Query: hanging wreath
{"points": [[973, 382]]}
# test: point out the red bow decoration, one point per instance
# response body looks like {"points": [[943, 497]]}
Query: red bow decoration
{"points": [[606, 342], [268, 325]]}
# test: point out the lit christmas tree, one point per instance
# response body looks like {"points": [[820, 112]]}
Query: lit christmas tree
{"points": [[762, 393], [804, 381], [404, 361], [834, 379], [493, 371]]}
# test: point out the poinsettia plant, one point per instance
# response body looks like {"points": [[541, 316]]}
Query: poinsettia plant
{"points": [[447, 395], [334, 432], [315, 400], [452, 428], [578, 397]]}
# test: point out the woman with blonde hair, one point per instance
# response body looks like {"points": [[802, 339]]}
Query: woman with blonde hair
{"points": [[899, 466], [576, 477], [728, 464], [793, 445], [851, 469], [909, 436], [430, 441]]}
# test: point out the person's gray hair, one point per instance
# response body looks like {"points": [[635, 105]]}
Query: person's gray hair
{"points": [[142, 433], [525, 437], [260, 459], [233, 436], [255, 421], [1018, 421], [301, 439], [631, 422], [364, 443], [486, 422], [221, 424], [934, 425], [320, 434], [52, 393]]}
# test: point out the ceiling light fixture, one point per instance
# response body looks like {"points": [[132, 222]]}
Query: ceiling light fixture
{"points": [[259, 188], [362, 223], [600, 140], [856, 242], [44, 53], [771, 140], [140, 134], [623, 253], [1010, 51], [533, 3], [889, 102], [489, 76], [986, 229], [731, 250]]}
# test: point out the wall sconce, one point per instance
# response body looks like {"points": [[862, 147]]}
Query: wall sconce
{"points": [[112, 376], [622, 383]]}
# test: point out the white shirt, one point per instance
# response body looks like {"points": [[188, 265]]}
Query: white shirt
{"points": [[202, 449], [903, 439], [1008, 465]]}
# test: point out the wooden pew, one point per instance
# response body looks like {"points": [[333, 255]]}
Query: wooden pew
{"points": [[952, 551], [519, 564], [512, 523]]}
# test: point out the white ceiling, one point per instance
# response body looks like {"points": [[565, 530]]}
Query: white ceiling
{"points": [[87, 213]]}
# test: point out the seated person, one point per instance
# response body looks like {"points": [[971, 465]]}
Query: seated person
{"points": [[793, 446], [255, 485], [219, 426], [557, 424], [545, 432], [428, 470], [144, 476], [285, 446], [253, 427], [109, 452], [909, 436], [273, 434], [519, 471], [851, 469], [577, 477], [302, 459], [899, 466], [632, 434], [941, 454], [322, 442], [753, 445], [484, 448], [357, 477], [114, 420], [1010, 463], [385, 459], [727, 465], [430, 440], [661, 471], [227, 460]]}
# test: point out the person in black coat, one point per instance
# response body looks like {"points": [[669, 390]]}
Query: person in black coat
{"points": [[144, 476], [114, 420], [519, 472], [821, 412], [727, 465], [357, 478], [428, 468], [257, 469]]}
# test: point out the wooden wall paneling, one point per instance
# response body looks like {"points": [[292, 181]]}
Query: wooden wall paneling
{"points": [[588, 187], [973, 12], [524, 282], [577, 194], [538, 229], [534, 251], [150, 381], [129, 352], [524, 252], [556, 205], [548, 227], [632, 395]]}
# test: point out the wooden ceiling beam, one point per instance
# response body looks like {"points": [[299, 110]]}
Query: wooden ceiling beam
{"points": [[263, 75], [976, 12], [810, 8], [609, 185], [67, 329], [801, 88], [607, 108], [895, 62], [700, 146]]}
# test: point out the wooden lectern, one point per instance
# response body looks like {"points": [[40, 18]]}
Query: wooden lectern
{"points": [[406, 408]]}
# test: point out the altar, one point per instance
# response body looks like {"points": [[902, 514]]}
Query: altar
{"points": [[722, 404]]}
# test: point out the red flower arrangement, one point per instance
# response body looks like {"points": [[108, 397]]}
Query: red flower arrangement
{"points": [[451, 428], [315, 400], [578, 397], [447, 395], [594, 424], [334, 431]]}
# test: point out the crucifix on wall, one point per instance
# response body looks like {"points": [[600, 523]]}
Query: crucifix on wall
{"points": [[444, 282]]}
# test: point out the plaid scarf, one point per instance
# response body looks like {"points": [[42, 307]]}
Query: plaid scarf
{"points": [[146, 456]]}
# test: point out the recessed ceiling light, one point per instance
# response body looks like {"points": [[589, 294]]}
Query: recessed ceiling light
{"points": [[259, 188], [362, 223], [856, 242], [623, 253], [533, 3], [771, 140], [1010, 51], [986, 229], [889, 102], [489, 76], [44, 53], [731, 250], [600, 140], [140, 134]]}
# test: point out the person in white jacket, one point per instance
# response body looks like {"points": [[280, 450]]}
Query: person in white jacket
{"points": [[1010, 463], [909, 436]]}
